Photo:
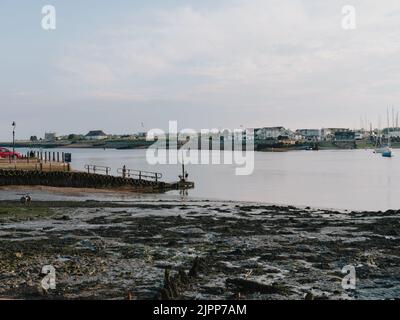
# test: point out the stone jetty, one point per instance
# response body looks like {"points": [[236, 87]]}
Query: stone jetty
{"points": [[80, 180]]}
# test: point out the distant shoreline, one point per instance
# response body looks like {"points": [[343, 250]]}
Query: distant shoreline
{"points": [[142, 144]]}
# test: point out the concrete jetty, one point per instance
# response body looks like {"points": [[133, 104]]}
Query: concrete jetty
{"points": [[71, 179], [45, 172]]}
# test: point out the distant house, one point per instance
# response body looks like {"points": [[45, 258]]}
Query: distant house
{"points": [[329, 134], [358, 135], [362, 134], [96, 135], [310, 134], [394, 134], [345, 135], [50, 136], [269, 133]]}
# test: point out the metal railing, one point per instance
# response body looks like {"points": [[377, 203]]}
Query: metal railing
{"points": [[90, 168], [141, 175]]}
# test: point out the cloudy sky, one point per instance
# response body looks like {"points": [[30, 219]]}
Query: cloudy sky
{"points": [[206, 63]]}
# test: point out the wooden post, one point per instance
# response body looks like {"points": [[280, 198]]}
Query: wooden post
{"points": [[199, 141]]}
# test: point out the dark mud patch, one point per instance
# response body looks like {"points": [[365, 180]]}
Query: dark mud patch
{"points": [[119, 250]]}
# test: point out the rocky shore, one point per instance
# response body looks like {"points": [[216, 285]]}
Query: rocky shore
{"points": [[195, 250]]}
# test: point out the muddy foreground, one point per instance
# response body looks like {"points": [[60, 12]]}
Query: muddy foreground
{"points": [[195, 250]]}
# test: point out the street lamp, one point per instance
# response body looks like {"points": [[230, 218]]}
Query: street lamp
{"points": [[14, 125]]}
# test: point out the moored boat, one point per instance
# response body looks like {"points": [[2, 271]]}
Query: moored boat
{"points": [[387, 153]]}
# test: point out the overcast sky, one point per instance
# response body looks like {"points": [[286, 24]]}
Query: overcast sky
{"points": [[112, 65]]}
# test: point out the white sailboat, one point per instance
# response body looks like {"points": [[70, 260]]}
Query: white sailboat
{"points": [[379, 146], [387, 153]]}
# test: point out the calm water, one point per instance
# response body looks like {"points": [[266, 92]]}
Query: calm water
{"points": [[346, 179]]}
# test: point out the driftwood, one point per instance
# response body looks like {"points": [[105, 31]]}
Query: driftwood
{"points": [[176, 285]]}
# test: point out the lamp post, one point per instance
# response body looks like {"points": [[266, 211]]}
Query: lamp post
{"points": [[14, 125]]}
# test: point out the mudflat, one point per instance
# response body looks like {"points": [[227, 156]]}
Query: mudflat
{"points": [[195, 249]]}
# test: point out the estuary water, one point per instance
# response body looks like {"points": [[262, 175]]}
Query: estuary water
{"points": [[341, 179]]}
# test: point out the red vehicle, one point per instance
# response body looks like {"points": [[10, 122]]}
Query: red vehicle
{"points": [[5, 153]]}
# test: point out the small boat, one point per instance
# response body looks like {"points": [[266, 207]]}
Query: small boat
{"points": [[387, 153], [380, 147], [387, 150]]}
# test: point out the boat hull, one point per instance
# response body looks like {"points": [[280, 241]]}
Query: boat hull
{"points": [[387, 154]]}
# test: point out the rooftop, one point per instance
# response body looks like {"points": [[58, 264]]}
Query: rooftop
{"points": [[96, 133]]}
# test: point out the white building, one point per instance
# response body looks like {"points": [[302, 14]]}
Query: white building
{"points": [[309, 134], [50, 136], [272, 133], [328, 134]]}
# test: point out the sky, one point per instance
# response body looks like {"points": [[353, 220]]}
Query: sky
{"points": [[114, 66]]}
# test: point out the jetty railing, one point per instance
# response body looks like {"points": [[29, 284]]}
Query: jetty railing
{"points": [[90, 168], [141, 175]]}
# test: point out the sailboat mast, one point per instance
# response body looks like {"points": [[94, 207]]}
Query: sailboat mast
{"points": [[393, 118], [380, 130], [388, 126]]}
